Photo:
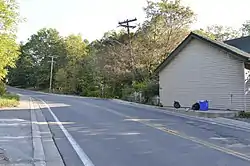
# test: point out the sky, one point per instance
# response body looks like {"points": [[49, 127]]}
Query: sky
{"points": [[92, 18]]}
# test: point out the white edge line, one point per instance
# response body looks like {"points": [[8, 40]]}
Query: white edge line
{"points": [[82, 155]]}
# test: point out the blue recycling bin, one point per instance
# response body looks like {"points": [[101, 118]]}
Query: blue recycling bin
{"points": [[203, 105]]}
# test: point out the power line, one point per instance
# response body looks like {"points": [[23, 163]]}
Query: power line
{"points": [[126, 25]]}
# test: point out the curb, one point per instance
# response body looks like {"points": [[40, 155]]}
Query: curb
{"points": [[38, 151], [204, 114], [51, 153], [235, 124]]}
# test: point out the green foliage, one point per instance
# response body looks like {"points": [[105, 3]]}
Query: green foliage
{"points": [[23, 75], [204, 33], [33, 66], [151, 89], [8, 48], [139, 86], [93, 93], [219, 32], [71, 77], [9, 15], [172, 13], [167, 24], [109, 67], [104, 68], [9, 100], [2, 88], [243, 114], [11, 96], [41, 46], [223, 33], [127, 92]]}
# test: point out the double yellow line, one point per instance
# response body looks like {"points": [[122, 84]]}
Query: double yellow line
{"points": [[178, 134], [199, 141]]}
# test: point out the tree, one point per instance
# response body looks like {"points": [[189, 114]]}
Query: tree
{"points": [[166, 26], [111, 61], [105, 67], [41, 46], [219, 32], [204, 33], [151, 43], [70, 77], [23, 74], [9, 50], [245, 29]]}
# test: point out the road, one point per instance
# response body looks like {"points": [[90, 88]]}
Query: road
{"points": [[98, 132]]}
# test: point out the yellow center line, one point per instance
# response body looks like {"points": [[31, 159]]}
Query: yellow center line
{"points": [[178, 134], [201, 142]]}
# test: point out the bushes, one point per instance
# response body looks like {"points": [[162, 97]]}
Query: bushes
{"points": [[9, 100], [243, 114], [151, 90], [94, 93], [142, 91], [127, 93]]}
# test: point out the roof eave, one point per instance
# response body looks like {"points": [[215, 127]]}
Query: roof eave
{"points": [[185, 42]]}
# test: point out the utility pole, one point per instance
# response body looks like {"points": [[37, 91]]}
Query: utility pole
{"points": [[51, 73], [126, 25]]}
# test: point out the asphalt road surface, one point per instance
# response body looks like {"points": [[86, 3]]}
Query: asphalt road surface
{"points": [[97, 132]]}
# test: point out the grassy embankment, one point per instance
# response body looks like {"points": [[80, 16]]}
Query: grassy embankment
{"points": [[9, 100]]}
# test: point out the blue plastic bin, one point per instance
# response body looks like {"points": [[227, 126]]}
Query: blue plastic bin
{"points": [[203, 105]]}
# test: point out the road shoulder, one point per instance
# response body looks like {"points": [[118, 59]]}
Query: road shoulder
{"points": [[45, 150], [25, 136], [218, 120], [15, 135]]}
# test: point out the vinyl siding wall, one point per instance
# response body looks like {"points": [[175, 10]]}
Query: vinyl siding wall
{"points": [[203, 72]]}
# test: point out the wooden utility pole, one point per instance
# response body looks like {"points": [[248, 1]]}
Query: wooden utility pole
{"points": [[126, 25]]}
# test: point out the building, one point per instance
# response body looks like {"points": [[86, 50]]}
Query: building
{"points": [[242, 43], [204, 69]]}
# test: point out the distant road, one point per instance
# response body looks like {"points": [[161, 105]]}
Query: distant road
{"points": [[98, 132]]}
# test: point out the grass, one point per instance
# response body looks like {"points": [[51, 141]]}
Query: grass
{"points": [[9, 100]]}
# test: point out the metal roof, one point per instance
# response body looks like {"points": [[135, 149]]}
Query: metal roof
{"points": [[242, 43]]}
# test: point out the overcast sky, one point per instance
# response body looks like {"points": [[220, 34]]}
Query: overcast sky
{"points": [[92, 18]]}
